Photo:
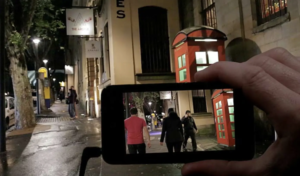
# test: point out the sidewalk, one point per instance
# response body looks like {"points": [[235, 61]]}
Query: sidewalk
{"points": [[53, 147]]}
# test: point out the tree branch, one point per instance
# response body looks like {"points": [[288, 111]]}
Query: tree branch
{"points": [[28, 21]]}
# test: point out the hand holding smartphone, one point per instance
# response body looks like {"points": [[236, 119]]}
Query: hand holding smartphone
{"points": [[230, 118]]}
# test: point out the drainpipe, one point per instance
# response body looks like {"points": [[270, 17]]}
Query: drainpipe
{"points": [[134, 72], [242, 19]]}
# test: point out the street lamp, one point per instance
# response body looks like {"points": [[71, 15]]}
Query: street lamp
{"points": [[45, 61], [36, 41], [150, 103]]}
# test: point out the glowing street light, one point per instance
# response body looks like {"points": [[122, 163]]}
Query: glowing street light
{"points": [[45, 61], [150, 103], [54, 79], [36, 40]]}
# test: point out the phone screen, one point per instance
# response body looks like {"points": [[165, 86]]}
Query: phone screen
{"points": [[179, 121]]}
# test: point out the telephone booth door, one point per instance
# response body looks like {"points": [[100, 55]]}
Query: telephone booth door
{"points": [[224, 118]]}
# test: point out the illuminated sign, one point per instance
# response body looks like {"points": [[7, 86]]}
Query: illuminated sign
{"points": [[80, 22], [92, 49]]}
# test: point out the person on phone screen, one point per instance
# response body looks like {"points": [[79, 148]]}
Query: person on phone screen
{"points": [[172, 129], [190, 130], [135, 127], [270, 80]]}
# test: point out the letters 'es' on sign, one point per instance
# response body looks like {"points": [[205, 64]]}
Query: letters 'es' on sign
{"points": [[80, 22], [120, 12]]}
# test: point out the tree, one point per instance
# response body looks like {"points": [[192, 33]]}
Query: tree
{"points": [[21, 18], [140, 101]]}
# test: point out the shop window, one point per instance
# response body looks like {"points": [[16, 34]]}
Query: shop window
{"points": [[209, 13], [154, 40], [270, 9], [182, 75]]}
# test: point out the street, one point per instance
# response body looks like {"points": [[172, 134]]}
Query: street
{"points": [[55, 145]]}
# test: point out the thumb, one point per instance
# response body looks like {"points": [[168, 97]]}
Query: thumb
{"points": [[218, 168]]}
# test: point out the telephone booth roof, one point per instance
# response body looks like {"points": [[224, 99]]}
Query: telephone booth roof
{"points": [[198, 32], [217, 92]]}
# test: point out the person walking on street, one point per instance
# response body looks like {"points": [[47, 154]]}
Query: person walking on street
{"points": [[172, 128], [135, 126], [190, 130], [72, 95], [61, 94]]}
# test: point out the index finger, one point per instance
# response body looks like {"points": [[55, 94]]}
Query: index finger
{"points": [[262, 89]]}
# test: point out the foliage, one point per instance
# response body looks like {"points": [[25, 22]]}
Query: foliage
{"points": [[141, 99], [47, 20]]}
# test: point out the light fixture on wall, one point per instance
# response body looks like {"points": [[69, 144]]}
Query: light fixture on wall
{"points": [[206, 40]]}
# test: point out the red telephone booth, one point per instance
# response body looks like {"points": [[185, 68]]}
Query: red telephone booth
{"points": [[224, 116], [196, 48]]}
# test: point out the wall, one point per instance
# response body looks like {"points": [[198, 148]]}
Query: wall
{"points": [[283, 35], [125, 56]]}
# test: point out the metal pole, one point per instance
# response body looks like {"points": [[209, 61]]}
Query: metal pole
{"points": [[37, 82], [2, 96]]}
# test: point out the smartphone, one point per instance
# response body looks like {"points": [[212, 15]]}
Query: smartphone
{"points": [[220, 123]]}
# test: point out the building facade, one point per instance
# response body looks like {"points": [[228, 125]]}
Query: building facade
{"points": [[136, 38]]}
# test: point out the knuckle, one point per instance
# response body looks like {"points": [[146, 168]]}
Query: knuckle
{"points": [[280, 50], [255, 75]]}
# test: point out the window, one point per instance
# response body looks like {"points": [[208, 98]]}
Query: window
{"points": [[204, 59], [270, 9], [154, 40], [182, 75], [220, 119], [11, 103], [181, 61], [209, 13], [230, 104], [199, 101], [6, 103]]}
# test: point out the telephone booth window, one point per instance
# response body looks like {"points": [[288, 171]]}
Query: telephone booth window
{"points": [[201, 58], [199, 68], [179, 62], [220, 119], [182, 74], [182, 66], [231, 115], [183, 61], [213, 57]]}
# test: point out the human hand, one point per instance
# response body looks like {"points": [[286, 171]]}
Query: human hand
{"points": [[271, 81], [161, 143], [149, 144]]}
